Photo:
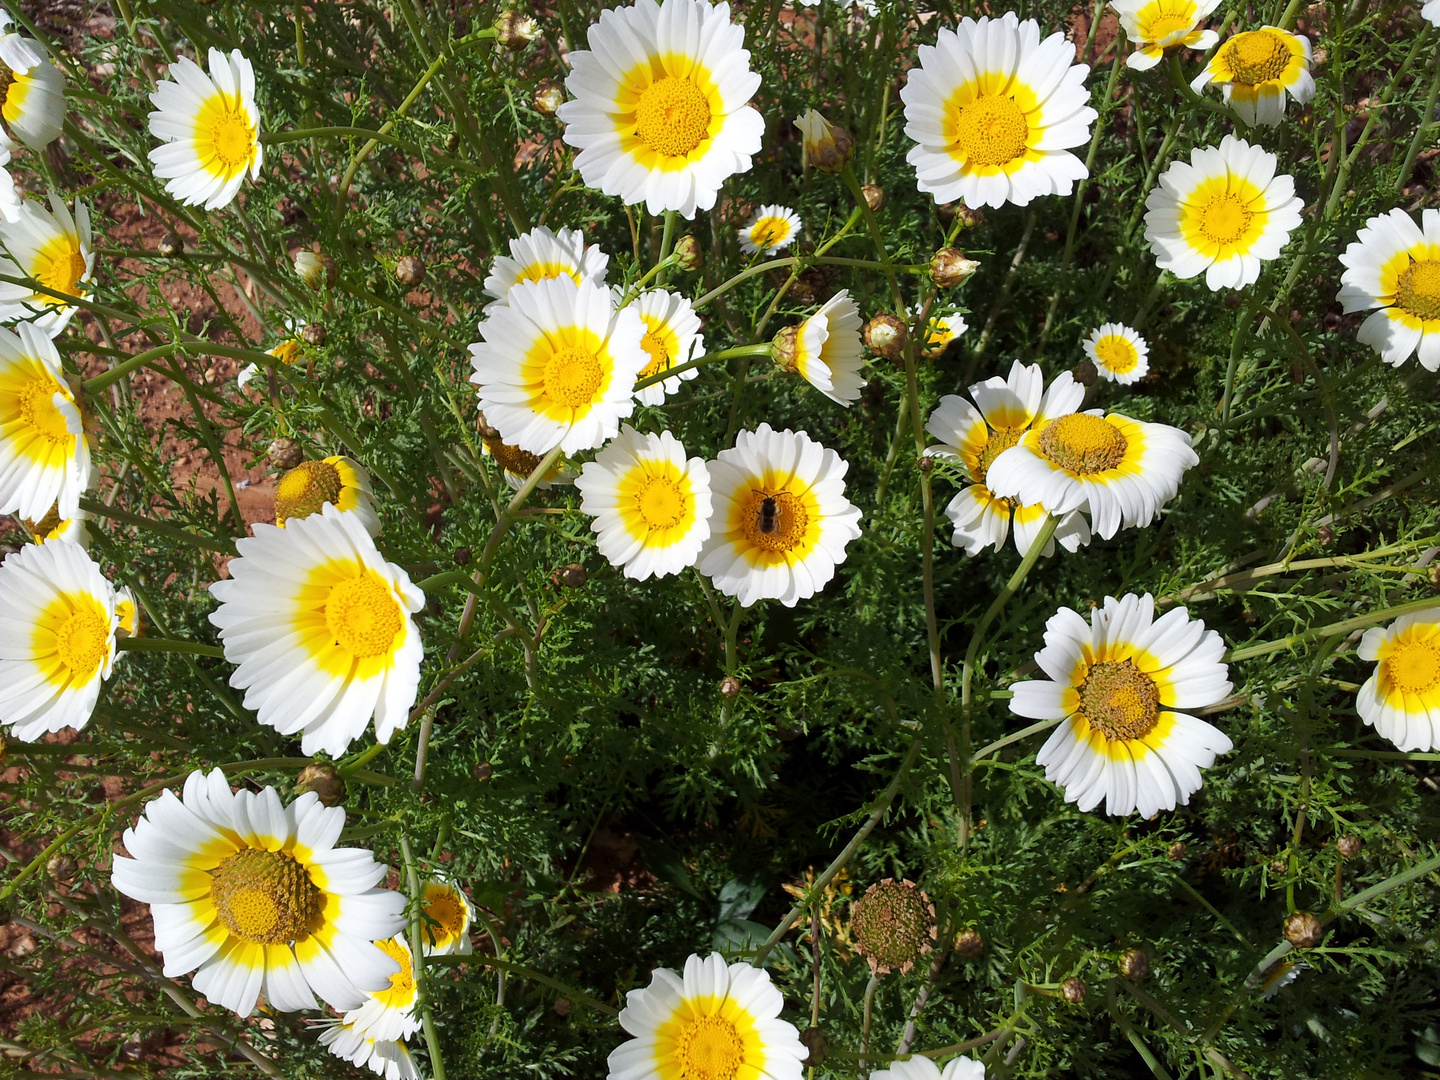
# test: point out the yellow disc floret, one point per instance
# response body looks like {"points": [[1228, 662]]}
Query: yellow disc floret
{"points": [[39, 412], [1119, 700], [673, 116], [82, 638], [775, 520], [224, 136], [655, 347], [1413, 667], [1117, 353], [991, 131], [265, 897], [1417, 292], [1083, 444], [59, 265], [447, 911], [363, 615], [573, 377], [1257, 56], [1223, 218], [401, 991], [663, 503], [709, 1048], [305, 489]]}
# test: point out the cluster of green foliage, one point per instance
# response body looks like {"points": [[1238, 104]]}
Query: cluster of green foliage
{"points": [[590, 721]]}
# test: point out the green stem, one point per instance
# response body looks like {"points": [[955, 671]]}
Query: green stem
{"points": [[168, 645], [764, 349], [173, 532], [1177, 77], [1338, 629], [417, 959], [1422, 132], [667, 243]]}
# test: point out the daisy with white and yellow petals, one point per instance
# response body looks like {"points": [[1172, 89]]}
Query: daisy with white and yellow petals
{"points": [[53, 528], [446, 916], [714, 1020], [321, 628], [55, 249], [557, 365], [335, 481], [287, 352], [389, 1015], [660, 113], [651, 504], [923, 1068], [942, 331], [1119, 354], [974, 437], [257, 897], [994, 110], [1117, 470], [1225, 212], [1394, 265], [44, 457], [1156, 25], [672, 339], [826, 350], [1114, 684], [209, 128], [781, 520], [57, 638], [541, 254], [769, 229], [32, 90], [1401, 699], [1431, 12], [1256, 69], [386, 1058], [127, 613]]}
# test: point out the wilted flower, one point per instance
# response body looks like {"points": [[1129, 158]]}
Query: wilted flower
{"points": [[828, 147]]}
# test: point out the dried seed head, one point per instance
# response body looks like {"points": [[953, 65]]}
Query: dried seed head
{"points": [[325, 780], [949, 267], [170, 245], [874, 197], [284, 453], [573, 576], [828, 147], [1073, 989], [814, 1041], [1086, 373], [483, 771], [61, 868], [969, 943], [462, 556], [885, 335], [687, 253], [785, 345], [730, 686], [1134, 964], [515, 30], [1177, 850], [1303, 930], [1348, 846], [314, 334], [548, 97], [562, 1007], [893, 925], [316, 268], [410, 270]]}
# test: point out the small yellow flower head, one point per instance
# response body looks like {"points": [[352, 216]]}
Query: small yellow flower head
{"points": [[949, 267], [306, 488], [828, 147], [894, 925], [515, 30]]}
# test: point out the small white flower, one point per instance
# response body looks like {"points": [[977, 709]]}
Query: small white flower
{"points": [[1119, 353], [541, 254], [1156, 25], [1401, 699], [209, 129], [33, 101], [1394, 265], [44, 458], [1256, 69], [769, 229], [54, 249], [672, 339], [828, 350]]}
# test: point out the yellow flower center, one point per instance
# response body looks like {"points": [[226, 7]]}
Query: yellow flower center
{"points": [[1414, 666], [402, 984], [1166, 23], [59, 265], [573, 377], [265, 897], [1000, 440], [363, 615], [305, 489], [1116, 353], [709, 1049], [662, 503], [769, 231], [1418, 291], [548, 271], [654, 346], [672, 116], [1224, 218], [511, 458], [82, 640], [1119, 700], [38, 411], [447, 911], [775, 521], [991, 130], [1257, 56], [224, 136], [286, 351], [1083, 444]]}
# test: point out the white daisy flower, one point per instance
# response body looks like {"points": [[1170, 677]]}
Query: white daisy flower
{"points": [[974, 437], [127, 613], [385, 1058], [447, 912], [1431, 11], [287, 352], [1118, 470], [32, 90], [389, 1015], [1119, 353], [713, 1021], [1225, 213], [320, 627], [769, 229], [1394, 265], [1256, 69], [923, 1068], [1401, 699], [257, 896], [994, 110], [651, 505], [781, 520], [541, 254], [516, 465], [1156, 25], [672, 338], [209, 128], [54, 249], [44, 457], [1112, 683], [333, 481], [827, 351], [660, 112], [54, 529], [557, 365], [57, 638], [942, 331]]}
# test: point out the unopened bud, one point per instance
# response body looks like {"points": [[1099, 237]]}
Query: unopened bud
{"points": [[573, 576], [1279, 866], [828, 146], [885, 335], [813, 1039], [1303, 930], [1073, 989], [874, 197], [562, 1007], [687, 253], [462, 556], [1086, 373], [515, 30], [452, 142], [410, 270], [967, 218], [927, 464], [1348, 846], [316, 268], [314, 334], [61, 868], [324, 780], [730, 687], [1177, 850], [1134, 964], [284, 453], [1432, 575], [483, 771], [969, 943], [786, 347], [949, 267], [170, 245], [548, 97], [1326, 535]]}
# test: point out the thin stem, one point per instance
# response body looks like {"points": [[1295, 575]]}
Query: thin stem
{"points": [[1338, 629], [170, 645], [1422, 132], [709, 358], [417, 959]]}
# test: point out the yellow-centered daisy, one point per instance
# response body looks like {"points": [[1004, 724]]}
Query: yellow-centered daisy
{"points": [[541, 254], [321, 628], [1225, 212], [1394, 265], [651, 504], [557, 364], [923, 1068], [1256, 69], [994, 110], [942, 332], [52, 528], [333, 481], [44, 457], [54, 249], [974, 437], [127, 613], [209, 128], [386, 1058], [660, 113], [1431, 12], [781, 520], [1401, 699], [769, 229], [57, 638], [516, 465], [713, 1022], [1156, 25], [672, 339], [257, 897], [825, 350], [32, 90], [1114, 684], [1119, 353], [287, 352], [446, 916]]}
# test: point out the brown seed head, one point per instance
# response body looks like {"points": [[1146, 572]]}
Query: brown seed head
{"points": [[894, 925], [1134, 964], [515, 30], [314, 334], [548, 97], [814, 1041], [1279, 866], [410, 270], [885, 335], [325, 780], [61, 868], [874, 197], [969, 943], [562, 1006], [687, 253], [483, 771], [1177, 850], [730, 686], [1085, 373], [284, 453], [949, 267], [462, 556], [1348, 846], [1073, 989], [1303, 930], [1326, 535], [572, 575]]}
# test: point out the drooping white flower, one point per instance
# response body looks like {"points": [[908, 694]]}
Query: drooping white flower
{"points": [[828, 350], [1156, 25], [44, 458], [32, 101], [672, 339]]}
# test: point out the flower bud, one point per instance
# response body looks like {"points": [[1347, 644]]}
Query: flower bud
{"points": [[324, 780], [687, 253], [967, 218], [1348, 846], [828, 146], [563, 1007], [874, 197], [515, 30], [170, 245], [1073, 989], [314, 334], [410, 271], [885, 335], [1279, 867], [1303, 930], [949, 267], [573, 575], [483, 771], [785, 344], [1326, 535], [1134, 964], [316, 268], [61, 868], [1086, 373], [813, 1039], [284, 453], [548, 97], [1177, 850], [969, 943], [730, 687], [462, 556]]}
